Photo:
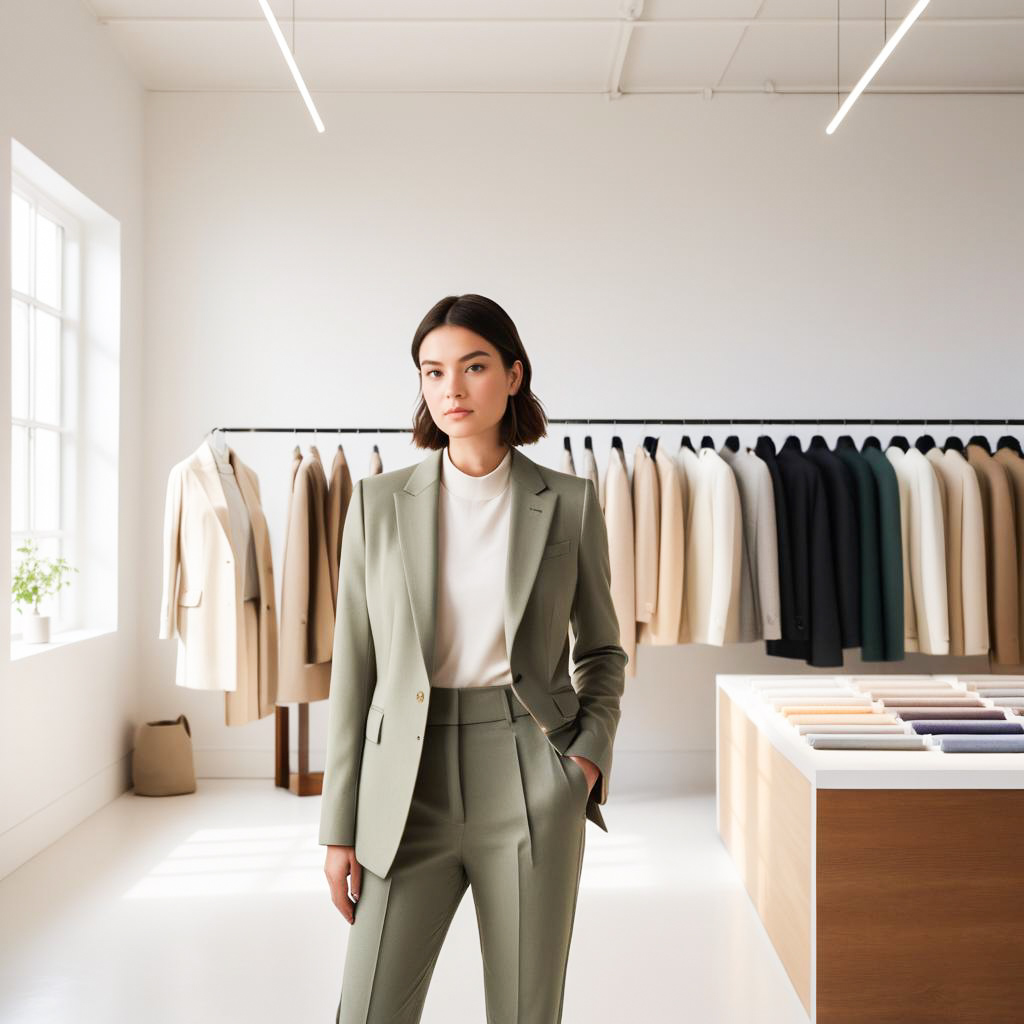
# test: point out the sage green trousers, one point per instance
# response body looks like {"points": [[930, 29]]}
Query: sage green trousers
{"points": [[496, 808]]}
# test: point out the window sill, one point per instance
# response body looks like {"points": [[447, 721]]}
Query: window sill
{"points": [[20, 649]]}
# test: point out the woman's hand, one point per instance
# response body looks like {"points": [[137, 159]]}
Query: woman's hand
{"points": [[590, 770], [341, 862]]}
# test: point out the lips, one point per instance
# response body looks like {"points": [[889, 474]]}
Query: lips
{"points": [[458, 412]]}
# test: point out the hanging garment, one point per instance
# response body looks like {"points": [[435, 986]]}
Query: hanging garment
{"points": [[376, 463], [841, 497], [926, 604], [307, 605], [689, 469], [1014, 466], [339, 494], [203, 603], [714, 553], [617, 507], [816, 636], [567, 465], [759, 561], [965, 552], [872, 633], [890, 550], [663, 627], [590, 471], [1001, 556], [764, 449], [646, 522]]}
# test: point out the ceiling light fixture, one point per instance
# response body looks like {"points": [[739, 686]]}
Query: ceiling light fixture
{"points": [[876, 64], [276, 29]]}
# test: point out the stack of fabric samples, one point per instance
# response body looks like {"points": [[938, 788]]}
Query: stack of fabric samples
{"points": [[833, 715]]}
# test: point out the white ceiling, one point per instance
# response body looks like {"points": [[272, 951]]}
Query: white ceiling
{"points": [[559, 46]]}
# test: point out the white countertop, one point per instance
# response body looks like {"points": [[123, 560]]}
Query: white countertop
{"points": [[870, 769]]}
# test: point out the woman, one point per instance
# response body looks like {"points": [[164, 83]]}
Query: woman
{"points": [[459, 751]]}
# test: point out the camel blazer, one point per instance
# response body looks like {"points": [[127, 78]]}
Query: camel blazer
{"points": [[664, 625], [714, 552], [617, 505], [926, 603], [307, 603], [1014, 466], [646, 527], [965, 552], [339, 494], [557, 574], [201, 603]]}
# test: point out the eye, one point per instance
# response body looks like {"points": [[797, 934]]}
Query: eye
{"points": [[471, 365]]}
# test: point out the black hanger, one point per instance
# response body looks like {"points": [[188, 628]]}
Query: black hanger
{"points": [[981, 441], [925, 443], [818, 442], [686, 442], [706, 442], [587, 443], [1006, 441], [651, 444], [845, 441], [953, 444], [871, 442], [617, 443], [732, 442], [568, 444], [899, 441], [376, 449]]}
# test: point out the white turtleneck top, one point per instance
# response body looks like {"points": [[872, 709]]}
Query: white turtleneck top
{"points": [[242, 543], [472, 552]]}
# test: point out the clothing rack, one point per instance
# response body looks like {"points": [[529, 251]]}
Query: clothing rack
{"points": [[696, 421]]}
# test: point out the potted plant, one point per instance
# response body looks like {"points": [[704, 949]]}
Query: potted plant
{"points": [[34, 579]]}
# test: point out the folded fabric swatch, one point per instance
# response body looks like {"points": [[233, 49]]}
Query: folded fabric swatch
{"points": [[826, 702], [947, 725], [831, 742], [1008, 702], [933, 702], [910, 713], [900, 691], [982, 744], [872, 719], [870, 728], [825, 709], [999, 692]]}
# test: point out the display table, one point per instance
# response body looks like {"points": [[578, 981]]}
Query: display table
{"points": [[886, 880]]}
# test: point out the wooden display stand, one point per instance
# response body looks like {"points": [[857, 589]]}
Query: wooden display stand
{"points": [[886, 880], [303, 782]]}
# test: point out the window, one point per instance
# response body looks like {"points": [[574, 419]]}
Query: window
{"points": [[42, 439]]}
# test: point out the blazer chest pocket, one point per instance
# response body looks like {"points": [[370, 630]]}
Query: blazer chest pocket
{"points": [[373, 720], [559, 547], [190, 598]]}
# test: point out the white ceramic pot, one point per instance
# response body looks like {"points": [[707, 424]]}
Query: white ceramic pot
{"points": [[36, 629]]}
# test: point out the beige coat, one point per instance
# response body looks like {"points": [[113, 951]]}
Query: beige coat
{"points": [[307, 602], [558, 574], [339, 494], [618, 516], [201, 603], [1014, 466], [666, 621], [646, 527], [1001, 565], [714, 553], [922, 524], [965, 552]]}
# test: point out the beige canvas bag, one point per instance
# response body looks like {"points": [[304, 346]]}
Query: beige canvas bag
{"points": [[162, 758]]}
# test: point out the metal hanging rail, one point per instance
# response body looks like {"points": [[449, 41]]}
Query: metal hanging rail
{"points": [[696, 422]]}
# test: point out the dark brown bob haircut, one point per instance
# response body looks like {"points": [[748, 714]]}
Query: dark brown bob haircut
{"points": [[524, 421]]}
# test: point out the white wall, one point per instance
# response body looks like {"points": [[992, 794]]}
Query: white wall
{"points": [[662, 256], [67, 725]]}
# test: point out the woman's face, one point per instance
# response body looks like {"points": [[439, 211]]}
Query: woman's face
{"points": [[459, 369]]}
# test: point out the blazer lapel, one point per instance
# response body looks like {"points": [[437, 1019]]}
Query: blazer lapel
{"points": [[209, 477], [532, 504]]}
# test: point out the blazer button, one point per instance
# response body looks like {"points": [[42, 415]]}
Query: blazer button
{"points": [[419, 696]]}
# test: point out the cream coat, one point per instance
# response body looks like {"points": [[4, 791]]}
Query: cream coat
{"points": [[646, 527], [965, 552], [617, 505], [926, 604], [201, 603], [666, 621]]}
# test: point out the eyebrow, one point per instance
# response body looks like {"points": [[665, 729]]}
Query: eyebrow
{"points": [[471, 355]]}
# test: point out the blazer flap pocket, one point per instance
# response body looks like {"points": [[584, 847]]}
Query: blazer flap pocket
{"points": [[567, 701], [373, 720], [190, 598], [559, 547]]}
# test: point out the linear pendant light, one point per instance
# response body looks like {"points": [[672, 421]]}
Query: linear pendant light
{"points": [[290, 60], [877, 63]]}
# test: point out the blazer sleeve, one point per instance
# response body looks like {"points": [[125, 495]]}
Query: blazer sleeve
{"points": [[599, 660], [353, 677], [171, 555]]}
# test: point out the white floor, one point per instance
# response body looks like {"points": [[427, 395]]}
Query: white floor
{"points": [[213, 907]]}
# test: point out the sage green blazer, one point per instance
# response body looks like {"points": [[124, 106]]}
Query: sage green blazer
{"points": [[557, 573]]}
